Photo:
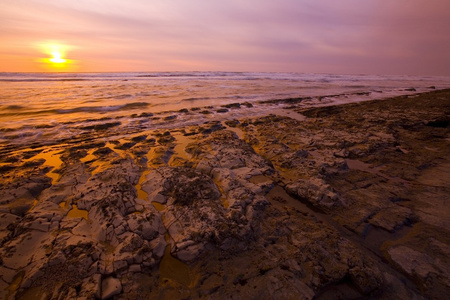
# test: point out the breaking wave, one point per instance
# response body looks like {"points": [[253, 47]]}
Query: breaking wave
{"points": [[19, 110]]}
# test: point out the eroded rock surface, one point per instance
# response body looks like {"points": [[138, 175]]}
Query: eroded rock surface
{"points": [[349, 202]]}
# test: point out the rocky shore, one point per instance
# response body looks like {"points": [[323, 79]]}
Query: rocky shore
{"points": [[346, 201]]}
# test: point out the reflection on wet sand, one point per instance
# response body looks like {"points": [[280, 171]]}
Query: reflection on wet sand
{"points": [[52, 159], [77, 213], [179, 151], [173, 269], [158, 206], [141, 194]]}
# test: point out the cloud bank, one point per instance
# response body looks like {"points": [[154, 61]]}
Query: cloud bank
{"points": [[349, 36]]}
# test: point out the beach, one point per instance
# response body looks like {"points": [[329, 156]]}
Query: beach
{"points": [[242, 198]]}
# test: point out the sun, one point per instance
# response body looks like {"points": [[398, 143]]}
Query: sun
{"points": [[56, 59]]}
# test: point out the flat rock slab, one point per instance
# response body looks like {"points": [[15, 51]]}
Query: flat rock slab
{"points": [[111, 287]]}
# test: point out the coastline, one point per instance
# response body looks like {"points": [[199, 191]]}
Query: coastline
{"points": [[339, 200]]}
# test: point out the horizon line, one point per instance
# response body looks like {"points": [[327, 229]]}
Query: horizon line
{"points": [[210, 71]]}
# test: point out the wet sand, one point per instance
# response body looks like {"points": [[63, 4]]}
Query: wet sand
{"points": [[344, 201]]}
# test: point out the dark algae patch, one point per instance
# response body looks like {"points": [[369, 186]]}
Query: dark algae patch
{"points": [[102, 126]]}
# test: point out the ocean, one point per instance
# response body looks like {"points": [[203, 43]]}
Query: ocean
{"points": [[45, 107]]}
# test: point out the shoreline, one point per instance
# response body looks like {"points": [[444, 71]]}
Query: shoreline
{"points": [[341, 201], [59, 131]]}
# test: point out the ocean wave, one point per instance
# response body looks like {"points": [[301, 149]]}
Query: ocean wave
{"points": [[233, 97], [162, 75], [128, 106], [197, 99], [235, 75], [301, 77], [123, 96], [42, 79], [37, 98], [12, 107], [84, 109], [134, 105]]}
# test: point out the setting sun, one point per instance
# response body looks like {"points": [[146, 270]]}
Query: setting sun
{"points": [[56, 57]]}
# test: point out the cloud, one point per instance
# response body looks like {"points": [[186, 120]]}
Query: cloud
{"points": [[312, 36]]}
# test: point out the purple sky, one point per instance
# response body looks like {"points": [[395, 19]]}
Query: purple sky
{"points": [[321, 36]]}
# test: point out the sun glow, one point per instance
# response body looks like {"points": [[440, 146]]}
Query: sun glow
{"points": [[56, 60]]}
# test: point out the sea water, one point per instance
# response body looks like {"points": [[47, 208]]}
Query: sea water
{"points": [[52, 106]]}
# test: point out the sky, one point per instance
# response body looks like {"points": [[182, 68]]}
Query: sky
{"points": [[402, 37]]}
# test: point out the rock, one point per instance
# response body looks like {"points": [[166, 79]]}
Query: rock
{"points": [[91, 286], [111, 287], [135, 268], [117, 222], [6, 219], [343, 153], [366, 280], [347, 161], [40, 224], [157, 197], [120, 265], [190, 252], [232, 105], [131, 243], [172, 117], [119, 230], [392, 218], [417, 264], [396, 287], [103, 151], [316, 192], [232, 123], [182, 185], [158, 246], [25, 250]]}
